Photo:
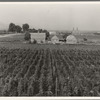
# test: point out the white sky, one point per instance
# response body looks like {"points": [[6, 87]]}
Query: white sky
{"points": [[52, 16]]}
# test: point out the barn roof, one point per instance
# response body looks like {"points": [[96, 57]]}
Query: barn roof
{"points": [[71, 35], [71, 39], [60, 37], [55, 37]]}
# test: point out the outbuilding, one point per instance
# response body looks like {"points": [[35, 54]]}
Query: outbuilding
{"points": [[71, 39], [55, 39]]}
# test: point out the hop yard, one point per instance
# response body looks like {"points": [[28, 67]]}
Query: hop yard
{"points": [[46, 72]]}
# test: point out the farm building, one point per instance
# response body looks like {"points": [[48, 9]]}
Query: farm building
{"points": [[75, 31], [55, 39], [71, 39], [52, 33], [39, 37]]}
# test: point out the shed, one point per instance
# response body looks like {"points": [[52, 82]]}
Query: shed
{"points": [[71, 39], [55, 39], [39, 37]]}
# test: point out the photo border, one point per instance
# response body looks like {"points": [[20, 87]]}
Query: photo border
{"points": [[48, 98], [48, 0]]}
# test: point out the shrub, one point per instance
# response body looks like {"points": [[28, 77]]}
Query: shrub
{"points": [[85, 39], [41, 41], [27, 36], [34, 41]]}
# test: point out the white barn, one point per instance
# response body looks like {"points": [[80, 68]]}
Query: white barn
{"points": [[39, 37], [71, 39], [52, 33], [55, 39]]}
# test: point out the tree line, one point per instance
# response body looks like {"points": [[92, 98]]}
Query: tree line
{"points": [[26, 29]]}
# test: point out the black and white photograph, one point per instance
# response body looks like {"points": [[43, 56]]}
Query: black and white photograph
{"points": [[50, 49]]}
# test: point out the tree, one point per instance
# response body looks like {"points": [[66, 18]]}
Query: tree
{"points": [[14, 28], [25, 27], [30, 30], [34, 30], [85, 39], [40, 30], [11, 27], [27, 36], [18, 28], [34, 41], [47, 34]]}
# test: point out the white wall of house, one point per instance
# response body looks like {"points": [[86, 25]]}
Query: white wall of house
{"points": [[39, 37]]}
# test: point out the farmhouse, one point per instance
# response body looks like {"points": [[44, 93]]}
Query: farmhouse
{"points": [[39, 37], [55, 39], [71, 39]]}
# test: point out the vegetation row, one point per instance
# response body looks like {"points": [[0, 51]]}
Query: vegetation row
{"points": [[27, 72]]}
